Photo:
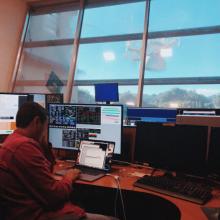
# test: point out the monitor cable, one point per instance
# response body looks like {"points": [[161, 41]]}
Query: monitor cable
{"points": [[118, 190]]}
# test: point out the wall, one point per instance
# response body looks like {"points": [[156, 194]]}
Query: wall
{"points": [[12, 16]]}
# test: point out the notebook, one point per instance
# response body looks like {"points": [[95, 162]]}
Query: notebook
{"points": [[94, 159]]}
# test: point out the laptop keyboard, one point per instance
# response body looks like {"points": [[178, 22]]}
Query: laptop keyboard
{"points": [[89, 171]]}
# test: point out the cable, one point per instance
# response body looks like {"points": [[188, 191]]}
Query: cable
{"points": [[116, 197], [122, 201], [116, 178], [115, 203]]}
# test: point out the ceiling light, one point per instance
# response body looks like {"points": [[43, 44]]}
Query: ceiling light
{"points": [[166, 52], [109, 56]]}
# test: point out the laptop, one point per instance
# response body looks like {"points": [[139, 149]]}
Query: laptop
{"points": [[94, 159]]}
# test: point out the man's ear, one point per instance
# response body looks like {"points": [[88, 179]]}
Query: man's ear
{"points": [[36, 120]]}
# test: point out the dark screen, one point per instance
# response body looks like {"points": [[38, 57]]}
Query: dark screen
{"points": [[106, 92], [180, 148], [214, 151], [151, 114]]}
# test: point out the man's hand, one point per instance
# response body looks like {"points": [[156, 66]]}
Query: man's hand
{"points": [[72, 174]]}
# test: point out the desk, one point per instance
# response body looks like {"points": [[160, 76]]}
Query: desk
{"points": [[129, 174]]}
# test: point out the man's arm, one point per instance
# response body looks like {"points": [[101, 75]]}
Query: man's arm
{"points": [[32, 169]]}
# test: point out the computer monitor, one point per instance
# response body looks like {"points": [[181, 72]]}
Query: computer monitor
{"points": [[54, 98], [106, 92], [214, 152], [44, 99], [70, 123], [10, 103], [162, 115], [180, 148]]}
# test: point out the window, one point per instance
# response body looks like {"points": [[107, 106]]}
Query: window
{"points": [[190, 56], [52, 26], [182, 96], [113, 20], [181, 64], [109, 48], [47, 52], [175, 15]]}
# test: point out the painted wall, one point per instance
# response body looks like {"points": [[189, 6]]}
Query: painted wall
{"points": [[12, 16]]}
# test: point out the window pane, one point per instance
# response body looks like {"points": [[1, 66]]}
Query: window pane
{"points": [[36, 89], [127, 95], [100, 61], [86, 94], [114, 20], [178, 96], [83, 94], [192, 56], [185, 13], [52, 26], [49, 65]]}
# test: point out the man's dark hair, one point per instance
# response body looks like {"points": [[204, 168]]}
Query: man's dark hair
{"points": [[27, 112]]}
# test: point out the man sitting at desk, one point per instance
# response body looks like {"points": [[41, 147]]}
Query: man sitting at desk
{"points": [[28, 190]]}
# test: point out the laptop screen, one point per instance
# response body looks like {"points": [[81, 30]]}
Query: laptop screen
{"points": [[96, 154]]}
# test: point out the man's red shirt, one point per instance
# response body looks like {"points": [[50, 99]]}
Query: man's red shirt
{"points": [[27, 188]]}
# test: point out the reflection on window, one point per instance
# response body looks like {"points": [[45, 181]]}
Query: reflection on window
{"points": [[47, 65], [192, 56], [118, 60], [173, 14], [182, 96], [52, 26], [115, 20], [41, 61]]}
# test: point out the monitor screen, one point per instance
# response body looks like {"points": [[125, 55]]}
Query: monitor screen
{"points": [[70, 123], [38, 98], [54, 98], [180, 148], [96, 154], [214, 151], [44, 99], [161, 115], [106, 92], [10, 104]]}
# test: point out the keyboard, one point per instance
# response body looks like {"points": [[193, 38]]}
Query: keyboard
{"points": [[89, 170], [176, 187]]}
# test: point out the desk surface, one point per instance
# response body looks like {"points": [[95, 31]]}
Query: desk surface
{"points": [[129, 174]]}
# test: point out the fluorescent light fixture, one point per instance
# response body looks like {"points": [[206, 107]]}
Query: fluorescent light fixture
{"points": [[130, 103], [109, 56], [174, 105], [166, 52]]}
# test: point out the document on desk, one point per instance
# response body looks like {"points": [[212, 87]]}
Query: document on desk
{"points": [[137, 174]]}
